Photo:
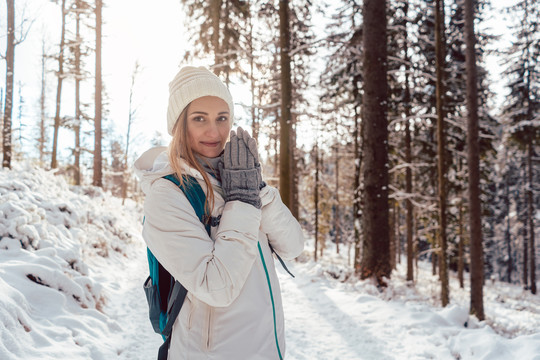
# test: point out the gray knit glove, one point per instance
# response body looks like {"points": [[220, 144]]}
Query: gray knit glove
{"points": [[240, 170]]}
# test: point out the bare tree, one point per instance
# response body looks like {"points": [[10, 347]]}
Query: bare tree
{"points": [[131, 116], [12, 42], [98, 176], [10, 65], [42, 137], [60, 74], [78, 76]]}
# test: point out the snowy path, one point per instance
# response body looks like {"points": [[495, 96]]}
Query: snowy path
{"points": [[319, 326], [128, 306], [326, 319]]}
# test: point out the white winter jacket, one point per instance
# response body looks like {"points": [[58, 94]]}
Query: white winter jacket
{"points": [[233, 308]]}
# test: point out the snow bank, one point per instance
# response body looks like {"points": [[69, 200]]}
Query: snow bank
{"points": [[51, 300]]}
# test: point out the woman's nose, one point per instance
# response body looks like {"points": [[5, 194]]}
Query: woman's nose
{"points": [[212, 129]]}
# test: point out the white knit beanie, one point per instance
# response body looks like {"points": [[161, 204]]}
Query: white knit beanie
{"points": [[192, 83]]}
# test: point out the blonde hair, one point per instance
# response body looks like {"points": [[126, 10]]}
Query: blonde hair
{"points": [[180, 148]]}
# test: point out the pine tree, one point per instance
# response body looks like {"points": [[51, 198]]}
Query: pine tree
{"points": [[342, 99], [219, 28], [375, 256], [475, 221], [522, 108]]}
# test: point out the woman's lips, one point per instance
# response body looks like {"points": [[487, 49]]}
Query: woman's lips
{"points": [[210, 144]]}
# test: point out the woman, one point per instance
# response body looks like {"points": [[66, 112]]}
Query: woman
{"points": [[233, 308]]}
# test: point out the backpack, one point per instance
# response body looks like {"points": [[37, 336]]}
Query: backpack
{"points": [[164, 294]]}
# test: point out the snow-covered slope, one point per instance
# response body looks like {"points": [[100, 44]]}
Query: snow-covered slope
{"points": [[62, 250], [72, 263]]}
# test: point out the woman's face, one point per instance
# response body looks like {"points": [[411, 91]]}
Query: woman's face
{"points": [[208, 125]]}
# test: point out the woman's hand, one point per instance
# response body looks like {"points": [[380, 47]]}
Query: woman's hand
{"points": [[240, 169]]}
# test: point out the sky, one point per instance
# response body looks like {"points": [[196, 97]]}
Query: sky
{"points": [[133, 31]]}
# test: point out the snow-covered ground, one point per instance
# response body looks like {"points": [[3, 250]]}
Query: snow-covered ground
{"points": [[72, 263]]}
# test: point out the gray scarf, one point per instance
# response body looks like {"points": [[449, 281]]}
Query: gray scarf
{"points": [[210, 165]]}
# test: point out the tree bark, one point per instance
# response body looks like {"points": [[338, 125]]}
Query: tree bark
{"points": [[286, 98], [460, 245], [523, 217], [77, 127], [357, 135], [316, 197], [532, 247], [473, 160], [408, 160], [337, 223], [98, 177], [392, 225], [508, 238], [376, 252], [10, 72], [54, 161], [441, 164], [294, 169]]}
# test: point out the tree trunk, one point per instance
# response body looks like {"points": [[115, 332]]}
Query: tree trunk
{"points": [[276, 142], [322, 242], [54, 161], [98, 177], [337, 223], [254, 117], [441, 168], [523, 216], [473, 161], [398, 233], [10, 72], [375, 256], [316, 197], [408, 170], [130, 121], [77, 127], [508, 238], [286, 98], [42, 123], [294, 169], [358, 156], [434, 261], [215, 16], [532, 246], [392, 225], [460, 245]]}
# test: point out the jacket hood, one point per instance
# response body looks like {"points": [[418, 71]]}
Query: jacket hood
{"points": [[154, 163]]}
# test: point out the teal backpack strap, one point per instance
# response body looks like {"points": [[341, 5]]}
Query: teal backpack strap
{"points": [[176, 292]]}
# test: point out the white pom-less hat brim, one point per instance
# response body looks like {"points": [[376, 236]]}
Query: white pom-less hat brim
{"points": [[190, 84]]}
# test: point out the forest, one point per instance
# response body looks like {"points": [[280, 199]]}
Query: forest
{"points": [[379, 121]]}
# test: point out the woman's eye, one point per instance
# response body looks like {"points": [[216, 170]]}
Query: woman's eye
{"points": [[198, 119], [222, 118]]}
